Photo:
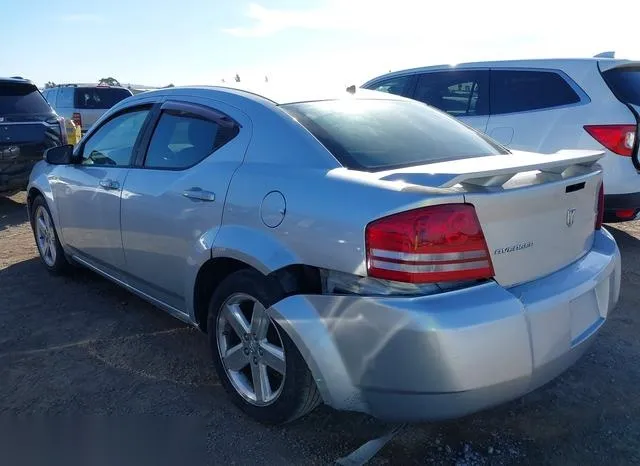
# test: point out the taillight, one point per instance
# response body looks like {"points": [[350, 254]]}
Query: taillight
{"points": [[77, 119], [600, 214], [619, 139], [63, 130], [431, 244]]}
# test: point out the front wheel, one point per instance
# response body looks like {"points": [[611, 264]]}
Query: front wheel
{"points": [[256, 361], [44, 231]]}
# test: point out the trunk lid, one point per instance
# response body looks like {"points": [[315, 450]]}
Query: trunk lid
{"points": [[537, 211]]}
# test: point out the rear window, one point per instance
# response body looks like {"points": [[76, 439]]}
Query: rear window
{"points": [[384, 134], [520, 91], [625, 84], [99, 97], [19, 98]]}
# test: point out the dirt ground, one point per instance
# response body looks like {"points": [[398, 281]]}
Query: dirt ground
{"points": [[78, 347]]}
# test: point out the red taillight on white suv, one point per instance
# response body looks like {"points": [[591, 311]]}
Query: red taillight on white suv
{"points": [[619, 139], [432, 244]]}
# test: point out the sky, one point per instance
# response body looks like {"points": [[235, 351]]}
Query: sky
{"points": [[306, 41]]}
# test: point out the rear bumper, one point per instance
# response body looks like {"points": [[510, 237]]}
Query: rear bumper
{"points": [[621, 202], [452, 354]]}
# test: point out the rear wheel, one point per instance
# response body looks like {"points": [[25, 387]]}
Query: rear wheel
{"points": [[44, 231], [256, 361]]}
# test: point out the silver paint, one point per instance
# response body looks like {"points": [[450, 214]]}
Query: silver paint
{"points": [[433, 356]]}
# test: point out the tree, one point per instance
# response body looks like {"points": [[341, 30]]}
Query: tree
{"points": [[49, 84], [237, 78], [109, 81], [170, 85]]}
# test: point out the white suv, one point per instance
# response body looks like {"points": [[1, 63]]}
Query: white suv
{"points": [[544, 106]]}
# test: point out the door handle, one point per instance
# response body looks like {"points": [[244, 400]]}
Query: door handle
{"points": [[199, 194], [109, 184]]}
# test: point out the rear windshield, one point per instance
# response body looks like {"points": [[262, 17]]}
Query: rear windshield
{"points": [[385, 134], [99, 97], [20, 98], [625, 84]]}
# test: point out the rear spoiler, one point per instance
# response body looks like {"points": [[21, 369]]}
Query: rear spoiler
{"points": [[495, 170], [498, 170]]}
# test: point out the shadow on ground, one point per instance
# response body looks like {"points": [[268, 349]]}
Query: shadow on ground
{"points": [[12, 212]]}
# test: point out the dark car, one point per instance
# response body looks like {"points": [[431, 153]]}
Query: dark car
{"points": [[28, 126]]}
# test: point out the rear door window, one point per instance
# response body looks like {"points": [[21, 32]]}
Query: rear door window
{"points": [[521, 91], [381, 134], [99, 97], [625, 83], [21, 98], [459, 93], [182, 139], [399, 85]]}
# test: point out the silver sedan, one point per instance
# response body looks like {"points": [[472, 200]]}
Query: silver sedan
{"points": [[353, 248]]}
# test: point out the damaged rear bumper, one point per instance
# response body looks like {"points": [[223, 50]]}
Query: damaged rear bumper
{"points": [[448, 355]]}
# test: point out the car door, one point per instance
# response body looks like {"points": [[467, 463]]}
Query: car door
{"points": [[463, 94], [88, 194], [173, 203], [533, 109]]}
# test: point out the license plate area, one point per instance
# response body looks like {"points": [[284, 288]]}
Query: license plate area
{"points": [[586, 316]]}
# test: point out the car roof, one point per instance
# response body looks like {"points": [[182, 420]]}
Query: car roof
{"points": [[102, 86], [549, 63], [15, 79], [279, 94]]}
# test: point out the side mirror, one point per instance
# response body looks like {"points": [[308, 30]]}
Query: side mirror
{"points": [[60, 155]]}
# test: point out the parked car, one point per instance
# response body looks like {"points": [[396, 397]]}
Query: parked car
{"points": [[28, 126], [362, 249], [84, 104], [544, 106]]}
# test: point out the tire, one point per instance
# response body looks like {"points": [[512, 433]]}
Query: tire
{"points": [[44, 231], [285, 397]]}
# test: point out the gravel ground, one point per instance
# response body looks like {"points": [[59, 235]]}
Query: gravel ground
{"points": [[80, 347]]}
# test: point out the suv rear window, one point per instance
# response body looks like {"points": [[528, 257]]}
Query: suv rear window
{"points": [[519, 91], [21, 98], [625, 84], [385, 134], [99, 97]]}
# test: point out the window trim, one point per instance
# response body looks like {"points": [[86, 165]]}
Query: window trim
{"points": [[419, 74], [199, 110], [582, 95], [78, 153]]}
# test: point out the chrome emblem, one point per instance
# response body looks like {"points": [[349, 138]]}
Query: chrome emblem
{"points": [[571, 215]]}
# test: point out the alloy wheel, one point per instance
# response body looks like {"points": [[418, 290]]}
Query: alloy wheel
{"points": [[251, 349], [45, 235]]}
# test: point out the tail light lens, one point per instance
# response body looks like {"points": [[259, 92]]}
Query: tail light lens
{"points": [[619, 139], [77, 119], [63, 130], [432, 244], [600, 214]]}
